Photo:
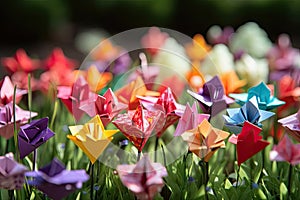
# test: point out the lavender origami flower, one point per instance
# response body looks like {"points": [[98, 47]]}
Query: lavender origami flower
{"points": [[55, 181], [33, 135], [7, 121], [144, 179], [211, 97], [11, 173], [292, 124]]}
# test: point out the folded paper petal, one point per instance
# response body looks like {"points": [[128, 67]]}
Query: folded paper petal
{"points": [[292, 124], [7, 92]]}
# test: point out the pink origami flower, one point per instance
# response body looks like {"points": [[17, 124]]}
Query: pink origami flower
{"points": [[7, 92], [153, 40], [286, 151], [7, 121], [144, 179], [292, 124], [11, 173], [106, 106]]}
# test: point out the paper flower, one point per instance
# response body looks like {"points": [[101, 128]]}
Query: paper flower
{"points": [[205, 140], [91, 137], [128, 93], [11, 173], [287, 89], [211, 97], [286, 151], [265, 100], [20, 62], [96, 80], [137, 126], [252, 70], [218, 61], [292, 124], [248, 112], [21, 80], [195, 77], [7, 121], [73, 96], [190, 119], [248, 142], [144, 179], [247, 37], [106, 106], [153, 40], [7, 92], [33, 135], [57, 59], [231, 82], [216, 35], [169, 107], [55, 181], [198, 49], [105, 51]]}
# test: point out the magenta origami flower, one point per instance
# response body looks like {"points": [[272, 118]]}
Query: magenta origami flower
{"points": [[144, 179], [55, 181], [286, 151], [11, 173], [7, 92]]}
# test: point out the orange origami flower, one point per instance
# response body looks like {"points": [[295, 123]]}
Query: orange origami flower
{"points": [[205, 140], [96, 80], [231, 82], [195, 77], [198, 49], [105, 51]]}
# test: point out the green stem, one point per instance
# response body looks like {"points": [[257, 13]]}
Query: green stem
{"points": [[29, 96], [164, 155], [92, 182], [238, 176], [15, 125], [290, 180], [155, 150]]}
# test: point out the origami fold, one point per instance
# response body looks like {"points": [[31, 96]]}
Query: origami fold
{"points": [[190, 119], [106, 106], [286, 151], [96, 80], [211, 97], [33, 135], [7, 120], [55, 181], [231, 82], [205, 140], [137, 126], [198, 49], [128, 93], [7, 92], [73, 96], [292, 124], [144, 179], [11, 173], [91, 137], [168, 105], [154, 40], [248, 142], [248, 112], [263, 95], [57, 59]]}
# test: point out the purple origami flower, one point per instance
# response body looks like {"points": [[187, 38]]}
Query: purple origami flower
{"points": [[144, 179], [292, 124], [11, 173], [211, 97], [33, 135], [7, 121], [55, 181]]}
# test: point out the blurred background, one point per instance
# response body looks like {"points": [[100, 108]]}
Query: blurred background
{"points": [[39, 25]]}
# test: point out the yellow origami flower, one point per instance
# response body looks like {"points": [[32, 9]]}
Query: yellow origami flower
{"points": [[91, 137]]}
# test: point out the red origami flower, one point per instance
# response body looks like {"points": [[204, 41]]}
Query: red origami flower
{"points": [[57, 59]]}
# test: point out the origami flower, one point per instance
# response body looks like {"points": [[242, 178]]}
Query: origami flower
{"points": [[153, 40], [73, 96], [57, 59], [7, 92], [198, 49], [231, 82], [137, 126], [286, 151], [7, 121], [21, 80], [211, 97], [168, 105], [195, 77], [263, 96], [11, 173], [55, 181], [287, 89], [190, 119], [292, 124], [91, 137], [106, 106], [248, 112], [105, 51], [128, 93], [216, 35], [205, 140], [97, 80], [20, 62], [248, 142], [33, 135], [144, 179]]}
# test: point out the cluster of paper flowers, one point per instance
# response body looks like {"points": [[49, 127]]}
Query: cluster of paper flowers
{"points": [[233, 69]]}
